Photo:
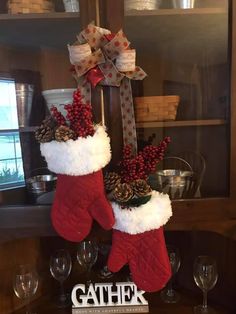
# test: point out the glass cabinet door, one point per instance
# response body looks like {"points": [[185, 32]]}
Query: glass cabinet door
{"points": [[183, 46]]}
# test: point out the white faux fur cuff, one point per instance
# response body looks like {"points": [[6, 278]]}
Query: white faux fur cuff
{"points": [[80, 157], [149, 216]]}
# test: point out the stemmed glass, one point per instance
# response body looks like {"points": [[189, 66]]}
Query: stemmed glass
{"points": [[87, 255], [104, 249], [60, 268], [205, 276], [169, 295], [25, 284]]}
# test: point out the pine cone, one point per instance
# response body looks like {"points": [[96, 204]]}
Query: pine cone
{"points": [[111, 180], [44, 134], [122, 193], [64, 133], [140, 188]]}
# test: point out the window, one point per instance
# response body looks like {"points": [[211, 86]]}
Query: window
{"points": [[11, 165]]}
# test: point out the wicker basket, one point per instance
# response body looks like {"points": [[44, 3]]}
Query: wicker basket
{"points": [[156, 108], [30, 6]]}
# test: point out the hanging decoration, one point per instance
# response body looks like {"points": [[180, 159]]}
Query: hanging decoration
{"points": [[100, 57], [140, 214], [76, 150]]}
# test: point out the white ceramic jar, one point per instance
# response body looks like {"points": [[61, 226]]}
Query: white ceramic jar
{"points": [[71, 5]]}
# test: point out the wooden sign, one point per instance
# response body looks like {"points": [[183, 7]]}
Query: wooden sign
{"points": [[122, 297]]}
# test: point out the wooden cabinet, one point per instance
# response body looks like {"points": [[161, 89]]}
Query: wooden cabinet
{"points": [[184, 52]]}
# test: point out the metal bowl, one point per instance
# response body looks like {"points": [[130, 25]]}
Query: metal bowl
{"points": [[177, 183], [41, 183], [184, 4]]}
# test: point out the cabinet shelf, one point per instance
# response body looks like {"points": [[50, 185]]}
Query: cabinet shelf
{"points": [[21, 129], [172, 124], [39, 16], [44, 305], [28, 129], [175, 12], [52, 30]]}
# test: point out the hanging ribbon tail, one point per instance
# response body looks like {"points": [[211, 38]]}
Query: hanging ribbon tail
{"points": [[112, 77], [85, 89], [127, 112]]}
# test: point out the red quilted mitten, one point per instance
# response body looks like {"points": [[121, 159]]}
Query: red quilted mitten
{"points": [[138, 240], [79, 193]]}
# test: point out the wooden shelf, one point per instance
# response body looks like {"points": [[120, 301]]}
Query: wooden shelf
{"points": [[171, 124], [36, 16], [188, 214], [52, 30], [188, 300], [28, 129], [176, 12]]}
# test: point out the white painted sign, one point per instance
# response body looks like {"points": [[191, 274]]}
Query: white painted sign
{"points": [[122, 297]]}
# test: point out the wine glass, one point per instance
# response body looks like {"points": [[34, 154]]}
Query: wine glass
{"points": [[205, 276], [87, 255], [104, 272], [25, 283], [60, 268], [169, 295]]}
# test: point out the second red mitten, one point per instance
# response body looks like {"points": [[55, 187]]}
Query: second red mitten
{"points": [[138, 241]]}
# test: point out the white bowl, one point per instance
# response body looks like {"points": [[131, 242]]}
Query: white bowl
{"points": [[59, 98]]}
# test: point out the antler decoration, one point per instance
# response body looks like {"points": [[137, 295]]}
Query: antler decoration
{"points": [[100, 57]]}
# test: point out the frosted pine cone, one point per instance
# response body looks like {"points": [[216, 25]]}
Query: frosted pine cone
{"points": [[140, 188], [64, 133], [122, 193], [111, 180]]}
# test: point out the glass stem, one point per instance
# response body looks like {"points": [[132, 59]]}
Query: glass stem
{"points": [[88, 276], [204, 304], [28, 305], [62, 289], [170, 286]]}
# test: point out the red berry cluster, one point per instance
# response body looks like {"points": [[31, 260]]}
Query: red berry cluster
{"points": [[132, 168], [139, 167], [80, 116], [153, 154], [58, 116]]}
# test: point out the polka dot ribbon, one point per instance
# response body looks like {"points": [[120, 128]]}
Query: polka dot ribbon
{"points": [[105, 48]]}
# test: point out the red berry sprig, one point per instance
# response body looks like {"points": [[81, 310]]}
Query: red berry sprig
{"points": [[139, 167], [80, 116], [153, 154], [60, 119]]}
